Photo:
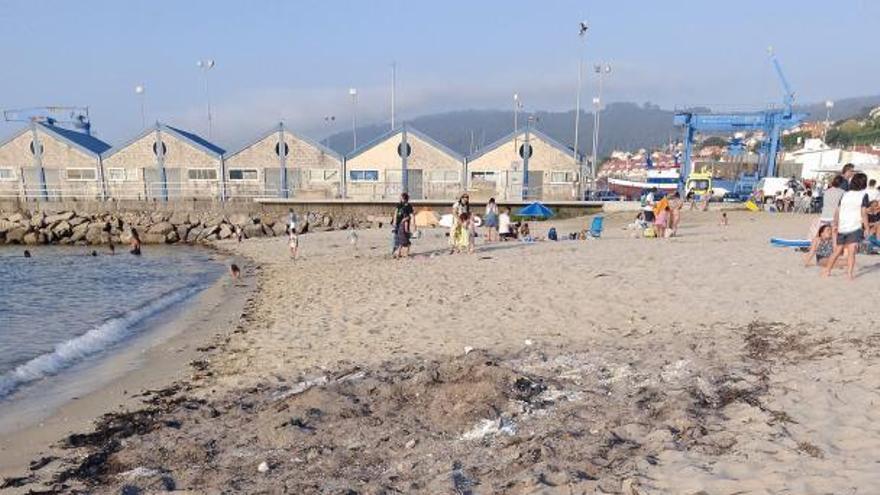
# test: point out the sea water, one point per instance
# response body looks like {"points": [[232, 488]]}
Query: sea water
{"points": [[62, 306]]}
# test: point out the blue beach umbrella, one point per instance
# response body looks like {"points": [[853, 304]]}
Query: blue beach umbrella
{"points": [[536, 209]]}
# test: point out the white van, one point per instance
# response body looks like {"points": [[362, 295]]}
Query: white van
{"points": [[776, 186]]}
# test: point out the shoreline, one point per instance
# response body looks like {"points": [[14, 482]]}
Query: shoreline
{"points": [[697, 362], [154, 359]]}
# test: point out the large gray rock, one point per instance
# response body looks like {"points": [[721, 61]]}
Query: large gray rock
{"points": [[82, 227], [159, 217], [171, 237], [182, 230], [61, 229], [253, 230], [6, 226], [76, 236], [279, 229], [77, 221], [240, 219], [152, 238], [225, 231], [33, 238], [38, 220], [162, 228], [17, 217], [59, 217], [193, 234], [95, 234], [178, 218], [16, 235]]}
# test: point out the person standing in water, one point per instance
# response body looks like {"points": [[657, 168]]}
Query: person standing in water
{"points": [[135, 243]]}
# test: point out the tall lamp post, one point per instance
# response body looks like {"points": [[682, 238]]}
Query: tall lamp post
{"points": [[205, 66], [582, 34], [829, 105], [601, 70], [140, 91], [353, 92], [517, 106]]}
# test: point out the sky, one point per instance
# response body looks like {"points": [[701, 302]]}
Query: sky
{"points": [[296, 60]]}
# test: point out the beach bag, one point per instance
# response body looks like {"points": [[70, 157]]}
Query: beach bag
{"points": [[551, 234]]}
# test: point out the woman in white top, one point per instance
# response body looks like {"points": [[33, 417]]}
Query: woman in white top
{"points": [[504, 224], [851, 221]]}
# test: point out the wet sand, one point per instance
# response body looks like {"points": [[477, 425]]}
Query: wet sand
{"points": [[149, 361], [709, 363]]}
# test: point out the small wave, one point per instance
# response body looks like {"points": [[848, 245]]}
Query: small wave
{"points": [[95, 340]]}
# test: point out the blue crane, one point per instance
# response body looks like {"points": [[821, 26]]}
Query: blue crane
{"points": [[772, 122]]}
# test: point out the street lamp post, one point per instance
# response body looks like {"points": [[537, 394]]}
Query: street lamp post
{"points": [[829, 105], [517, 106], [582, 34], [205, 66], [140, 91], [601, 70], [354, 116]]}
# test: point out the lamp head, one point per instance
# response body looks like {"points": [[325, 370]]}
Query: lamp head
{"points": [[139, 89]]}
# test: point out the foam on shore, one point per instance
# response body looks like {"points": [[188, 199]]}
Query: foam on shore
{"points": [[97, 339]]}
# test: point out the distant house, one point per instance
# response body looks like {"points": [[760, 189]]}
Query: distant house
{"points": [[43, 161], [376, 170], [497, 170], [162, 163], [280, 163]]}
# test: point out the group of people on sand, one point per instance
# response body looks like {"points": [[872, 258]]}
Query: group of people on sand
{"points": [[849, 222], [659, 217]]}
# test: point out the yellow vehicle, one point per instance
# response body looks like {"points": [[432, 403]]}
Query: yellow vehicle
{"points": [[699, 183]]}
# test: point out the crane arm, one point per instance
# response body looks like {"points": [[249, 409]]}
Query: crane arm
{"points": [[788, 97]]}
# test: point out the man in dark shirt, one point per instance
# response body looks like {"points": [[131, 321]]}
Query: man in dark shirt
{"points": [[847, 172], [401, 211]]}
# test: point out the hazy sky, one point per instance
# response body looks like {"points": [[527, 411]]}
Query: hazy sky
{"points": [[295, 60]]}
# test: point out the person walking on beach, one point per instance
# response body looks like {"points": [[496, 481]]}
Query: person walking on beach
{"points": [[831, 200], [504, 231], [675, 207], [135, 243], [491, 221], [648, 203], [461, 207], [851, 220], [403, 211], [404, 232]]}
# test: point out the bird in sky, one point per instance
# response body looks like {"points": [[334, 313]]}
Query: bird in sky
{"points": [[584, 28]]}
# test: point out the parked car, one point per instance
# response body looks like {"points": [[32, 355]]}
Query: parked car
{"points": [[606, 196]]}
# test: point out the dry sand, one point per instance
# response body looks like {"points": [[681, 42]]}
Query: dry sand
{"points": [[709, 363]]}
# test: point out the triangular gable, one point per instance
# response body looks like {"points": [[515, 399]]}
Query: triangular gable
{"points": [[410, 130], [188, 137], [89, 145], [509, 137], [299, 137]]}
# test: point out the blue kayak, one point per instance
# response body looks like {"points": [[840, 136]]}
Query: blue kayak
{"points": [[779, 242]]}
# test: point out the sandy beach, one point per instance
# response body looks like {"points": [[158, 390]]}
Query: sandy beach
{"points": [[710, 363]]}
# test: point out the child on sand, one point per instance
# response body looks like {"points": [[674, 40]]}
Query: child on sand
{"points": [[723, 220], [293, 243], [821, 248], [661, 223], [234, 271]]}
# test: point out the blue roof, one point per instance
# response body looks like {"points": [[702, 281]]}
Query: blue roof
{"points": [[195, 138], [80, 139]]}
